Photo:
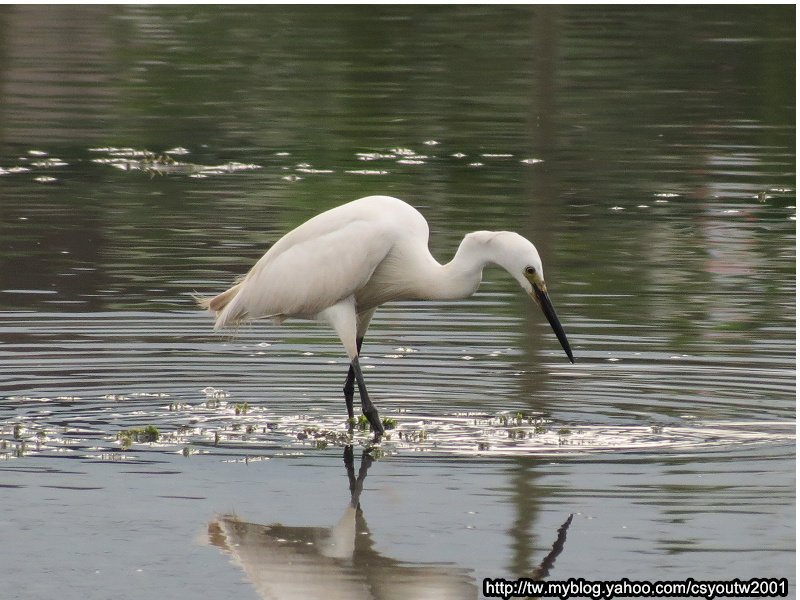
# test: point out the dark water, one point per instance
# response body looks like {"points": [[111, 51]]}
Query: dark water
{"points": [[148, 153]]}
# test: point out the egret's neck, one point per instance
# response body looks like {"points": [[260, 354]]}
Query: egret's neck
{"points": [[461, 276]]}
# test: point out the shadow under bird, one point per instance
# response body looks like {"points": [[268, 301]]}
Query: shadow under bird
{"points": [[340, 265]]}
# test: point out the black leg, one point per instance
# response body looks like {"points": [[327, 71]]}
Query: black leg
{"points": [[349, 385], [349, 388], [367, 407]]}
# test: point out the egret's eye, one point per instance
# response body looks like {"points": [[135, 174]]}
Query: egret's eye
{"points": [[530, 271]]}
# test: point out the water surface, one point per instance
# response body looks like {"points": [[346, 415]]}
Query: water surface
{"points": [[151, 153]]}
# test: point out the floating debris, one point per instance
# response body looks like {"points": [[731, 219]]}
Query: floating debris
{"points": [[49, 163], [147, 434], [367, 172], [310, 171], [132, 159], [374, 156], [179, 151], [406, 156]]}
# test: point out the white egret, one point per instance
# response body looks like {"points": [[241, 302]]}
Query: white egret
{"points": [[340, 265]]}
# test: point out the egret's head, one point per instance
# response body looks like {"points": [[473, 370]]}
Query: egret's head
{"points": [[520, 258]]}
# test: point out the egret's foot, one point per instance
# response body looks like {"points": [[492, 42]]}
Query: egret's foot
{"points": [[375, 423]]}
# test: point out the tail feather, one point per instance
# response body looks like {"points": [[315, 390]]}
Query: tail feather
{"points": [[218, 305]]}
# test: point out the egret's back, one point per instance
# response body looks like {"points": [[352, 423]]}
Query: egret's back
{"points": [[316, 265]]}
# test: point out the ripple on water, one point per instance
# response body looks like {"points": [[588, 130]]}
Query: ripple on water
{"points": [[111, 428], [84, 379]]}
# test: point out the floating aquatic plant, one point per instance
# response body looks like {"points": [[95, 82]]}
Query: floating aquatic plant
{"points": [[147, 434]]}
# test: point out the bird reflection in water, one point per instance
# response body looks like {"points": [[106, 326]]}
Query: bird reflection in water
{"points": [[339, 562]]}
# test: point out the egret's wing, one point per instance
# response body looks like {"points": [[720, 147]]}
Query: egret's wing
{"points": [[314, 272]]}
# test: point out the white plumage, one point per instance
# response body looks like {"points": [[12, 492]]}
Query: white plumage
{"points": [[340, 265]]}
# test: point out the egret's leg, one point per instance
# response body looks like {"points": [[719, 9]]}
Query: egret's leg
{"points": [[349, 384], [367, 407], [342, 316]]}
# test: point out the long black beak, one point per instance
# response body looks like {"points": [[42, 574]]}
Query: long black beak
{"points": [[543, 300]]}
